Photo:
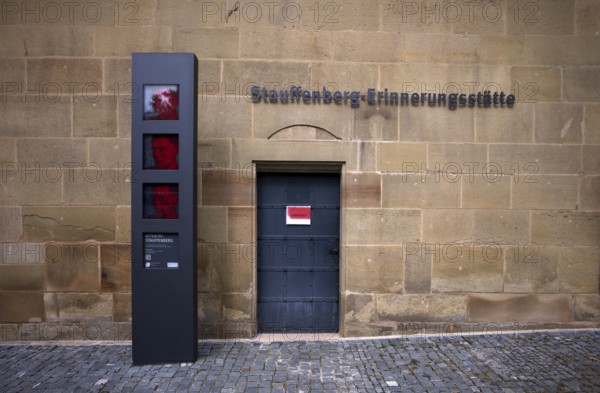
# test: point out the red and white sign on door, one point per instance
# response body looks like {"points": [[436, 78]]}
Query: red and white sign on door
{"points": [[297, 215]]}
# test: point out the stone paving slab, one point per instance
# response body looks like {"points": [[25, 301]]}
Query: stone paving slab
{"points": [[561, 361]]}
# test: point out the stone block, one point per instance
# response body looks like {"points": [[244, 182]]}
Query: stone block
{"points": [[227, 187], [274, 150], [487, 18], [208, 43], [12, 42], [240, 223], [401, 157], [469, 78], [269, 43], [231, 266], [531, 269], [591, 160], [348, 15], [579, 270], [240, 76], [115, 262], [501, 226], [441, 48], [420, 191], [117, 78], [447, 226], [378, 123], [529, 161], [417, 268], [58, 41], [581, 83], [61, 75], [543, 17], [467, 269], [21, 277], [236, 307], [93, 186], [110, 153], [21, 307], [122, 41], [84, 307], [214, 154], [519, 308], [69, 223], [95, 118], [209, 79], [12, 224], [587, 17], [123, 226], [51, 154], [23, 185], [413, 78], [422, 308], [362, 189], [550, 192], [359, 308], [367, 47], [587, 308], [22, 253], [487, 191], [8, 150], [468, 157], [437, 125], [537, 83], [590, 193], [565, 228], [343, 76], [428, 16], [502, 49], [362, 157], [212, 224], [230, 119], [184, 12], [562, 50], [558, 123], [122, 307], [392, 226], [592, 124], [72, 267], [12, 76], [36, 119], [510, 125], [209, 308], [374, 269]]}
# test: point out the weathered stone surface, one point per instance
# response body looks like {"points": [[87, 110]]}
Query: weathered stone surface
{"points": [[529, 160], [367, 47], [489, 191], [545, 18], [122, 41], [535, 269], [81, 307], [231, 119], [268, 43], [363, 157], [587, 308], [467, 269], [501, 226], [437, 125], [12, 41], [12, 225], [228, 187], [401, 157], [558, 123], [447, 226], [240, 76], [95, 118], [35, 119], [123, 226], [566, 49], [209, 79], [53, 40], [359, 308], [587, 17], [214, 155], [519, 308], [511, 125], [124, 118], [12, 75], [23, 253], [469, 78], [582, 83], [382, 226], [343, 76], [208, 43], [115, 262], [212, 224], [240, 224], [579, 270], [362, 189], [421, 308], [72, 267], [417, 268], [122, 307], [8, 150], [236, 307], [413, 78], [411, 17], [590, 193], [564, 228], [374, 269], [592, 124], [117, 79], [110, 153], [63, 74], [378, 123], [95, 186], [22, 277], [68, 223], [467, 157], [209, 308], [244, 152], [51, 154], [420, 191], [23, 185], [502, 49], [591, 159], [536, 83], [440, 48], [21, 307], [550, 192]]}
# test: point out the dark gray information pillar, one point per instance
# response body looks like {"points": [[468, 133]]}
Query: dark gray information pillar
{"points": [[163, 207]]}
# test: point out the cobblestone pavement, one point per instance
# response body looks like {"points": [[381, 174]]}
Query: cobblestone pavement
{"points": [[567, 361]]}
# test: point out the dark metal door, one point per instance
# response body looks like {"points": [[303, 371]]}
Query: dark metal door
{"points": [[298, 265]]}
